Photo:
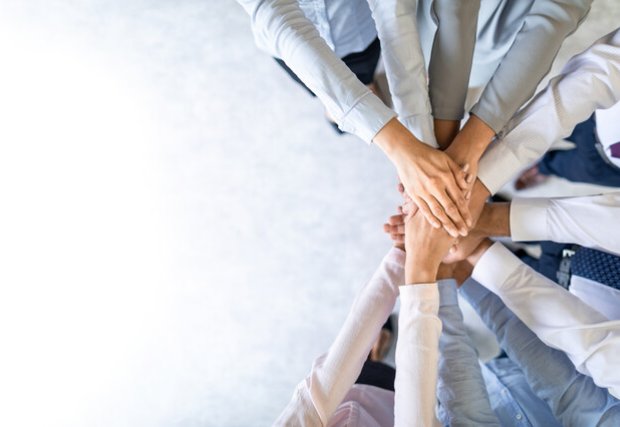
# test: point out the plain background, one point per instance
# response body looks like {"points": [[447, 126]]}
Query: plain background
{"points": [[181, 233]]}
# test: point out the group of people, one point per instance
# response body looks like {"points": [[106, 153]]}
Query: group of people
{"points": [[556, 317]]}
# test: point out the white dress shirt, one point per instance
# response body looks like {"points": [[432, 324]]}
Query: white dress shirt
{"points": [[589, 221], [557, 317], [589, 81], [608, 130], [328, 395]]}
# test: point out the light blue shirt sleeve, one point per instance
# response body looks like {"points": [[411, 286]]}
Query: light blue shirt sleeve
{"points": [[574, 399], [460, 387]]}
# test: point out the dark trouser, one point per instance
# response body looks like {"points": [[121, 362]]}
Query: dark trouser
{"points": [[585, 163], [549, 262], [363, 64]]}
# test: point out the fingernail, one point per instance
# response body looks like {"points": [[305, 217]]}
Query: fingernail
{"points": [[469, 222], [469, 178], [468, 195], [466, 167]]}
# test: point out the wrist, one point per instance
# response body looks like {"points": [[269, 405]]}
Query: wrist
{"points": [[392, 137], [477, 136], [416, 273]]}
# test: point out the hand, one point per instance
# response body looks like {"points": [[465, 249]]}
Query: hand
{"points": [[470, 143], [433, 181], [395, 227], [425, 247]]}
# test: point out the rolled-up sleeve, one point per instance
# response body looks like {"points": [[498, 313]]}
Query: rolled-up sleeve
{"points": [[281, 27]]}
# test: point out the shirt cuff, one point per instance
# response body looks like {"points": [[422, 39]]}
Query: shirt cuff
{"points": [[498, 165], [447, 292], [420, 295], [395, 257], [367, 117], [528, 219], [421, 126], [495, 266]]}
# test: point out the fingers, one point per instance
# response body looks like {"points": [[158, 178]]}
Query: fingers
{"points": [[462, 205], [454, 228], [426, 211], [461, 175]]}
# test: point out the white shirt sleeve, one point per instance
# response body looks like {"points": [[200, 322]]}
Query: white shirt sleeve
{"points": [[282, 28], [317, 397], [589, 221], [558, 318], [589, 81], [417, 356], [404, 65]]}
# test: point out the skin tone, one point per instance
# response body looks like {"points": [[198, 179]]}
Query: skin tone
{"points": [[470, 143], [436, 184], [460, 270]]}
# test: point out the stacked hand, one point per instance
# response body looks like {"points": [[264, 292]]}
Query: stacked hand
{"points": [[435, 183]]}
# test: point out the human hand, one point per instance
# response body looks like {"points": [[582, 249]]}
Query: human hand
{"points": [[470, 143], [425, 247], [433, 181]]}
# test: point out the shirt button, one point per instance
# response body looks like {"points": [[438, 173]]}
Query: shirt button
{"points": [[519, 416]]}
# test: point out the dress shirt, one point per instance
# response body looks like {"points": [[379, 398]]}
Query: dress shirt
{"points": [[589, 221], [589, 81], [417, 354], [404, 65], [451, 56], [511, 36], [345, 25], [328, 395], [461, 388], [608, 130], [573, 398], [283, 29], [512, 398], [559, 319], [333, 374]]}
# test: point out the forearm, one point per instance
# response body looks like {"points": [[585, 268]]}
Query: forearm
{"points": [[404, 65], [281, 26], [550, 374], [416, 356], [546, 26], [587, 221], [558, 318], [588, 82], [452, 56], [461, 390], [333, 375]]}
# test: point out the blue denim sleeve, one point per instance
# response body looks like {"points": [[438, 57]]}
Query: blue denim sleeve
{"points": [[461, 390], [573, 398]]}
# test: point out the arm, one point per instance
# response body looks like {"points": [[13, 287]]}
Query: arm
{"points": [[282, 27], [546, 26], [430, 176], [588, 221], [559, 319], [404, 64], [574, 399], [450, 64], [333, 374], [460, 388], [589, 81]]}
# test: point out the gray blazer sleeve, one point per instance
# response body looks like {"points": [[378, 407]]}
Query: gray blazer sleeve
{"points": [[451, 56], [530, 57]]}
